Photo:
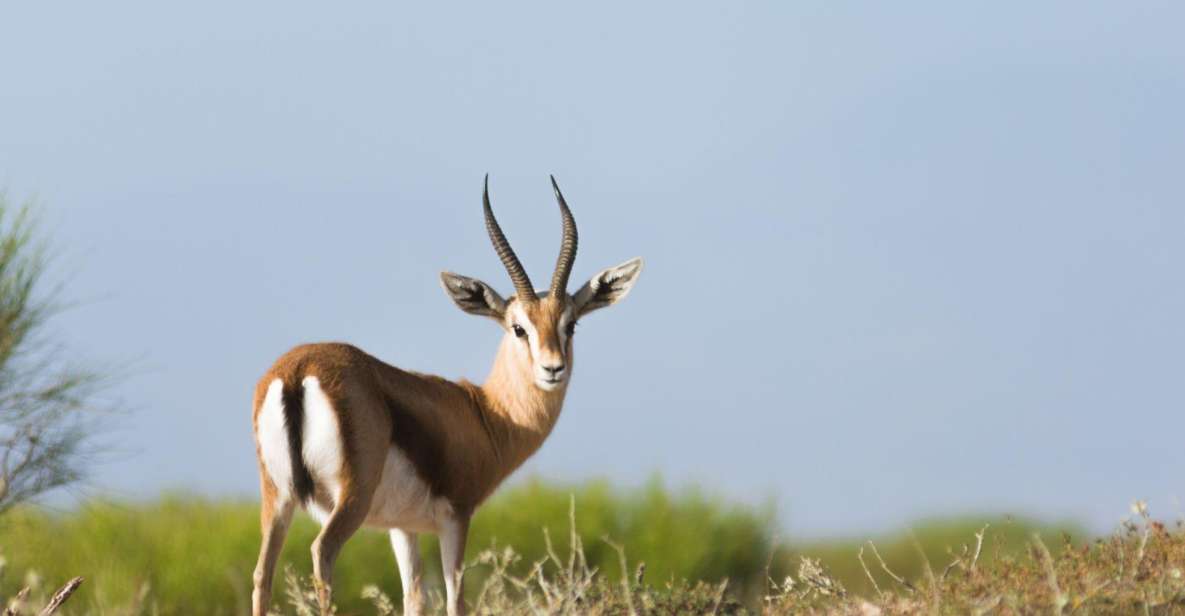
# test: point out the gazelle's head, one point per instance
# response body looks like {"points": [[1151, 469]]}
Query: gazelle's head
{"points": [[540, 326]]}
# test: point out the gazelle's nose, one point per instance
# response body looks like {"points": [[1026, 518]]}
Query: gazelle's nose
{"points": [[554, 370]]}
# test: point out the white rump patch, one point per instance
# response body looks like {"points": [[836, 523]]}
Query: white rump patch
{"points": [[273, 440], [322, 446]]}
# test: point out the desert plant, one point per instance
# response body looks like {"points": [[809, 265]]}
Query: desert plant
{"points": [[46, 405]]}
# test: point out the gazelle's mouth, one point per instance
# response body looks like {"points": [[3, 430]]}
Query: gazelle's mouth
{"points": [[549, 384]]}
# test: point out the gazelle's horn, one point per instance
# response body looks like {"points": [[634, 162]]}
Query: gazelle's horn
{"points": [[563, 264], [522, 284]]}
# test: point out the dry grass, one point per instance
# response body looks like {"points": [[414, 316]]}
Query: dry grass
{"points": [[1138, 570]]}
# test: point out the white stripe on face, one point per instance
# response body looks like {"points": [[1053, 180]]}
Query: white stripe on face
{"points": [[566, 318], [518, 316]]}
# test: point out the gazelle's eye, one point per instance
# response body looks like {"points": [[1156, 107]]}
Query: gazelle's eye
{"points": [[519, 331], [571, 328]]}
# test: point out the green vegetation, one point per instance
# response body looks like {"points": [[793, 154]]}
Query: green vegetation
{"points": [[183, 555], [197, 556]]}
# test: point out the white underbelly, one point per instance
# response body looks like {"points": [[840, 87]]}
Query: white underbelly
{"points": [[403, 500]]}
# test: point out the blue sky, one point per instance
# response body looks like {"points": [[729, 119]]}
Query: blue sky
{"points": [[901, 260]]}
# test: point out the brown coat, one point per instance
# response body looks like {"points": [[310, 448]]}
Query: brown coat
{"points": [[462, 439]]}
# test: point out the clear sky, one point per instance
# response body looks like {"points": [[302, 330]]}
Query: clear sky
{"points": [[902, 260]]}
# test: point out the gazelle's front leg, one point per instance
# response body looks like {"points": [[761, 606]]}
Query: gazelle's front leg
{"points": [[453, 534], [407, 554]]}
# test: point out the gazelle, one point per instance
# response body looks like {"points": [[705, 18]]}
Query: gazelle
{"points": [[356, 441]]}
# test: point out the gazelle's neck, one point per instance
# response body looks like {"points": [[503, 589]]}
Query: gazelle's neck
{"points": [[528, 412]]}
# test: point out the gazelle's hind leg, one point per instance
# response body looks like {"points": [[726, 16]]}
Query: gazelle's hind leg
{"points": [[341, 524], [275, 514], [354, 489]]}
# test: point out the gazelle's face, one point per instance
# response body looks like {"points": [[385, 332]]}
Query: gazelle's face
{"points": [[543, 331], [540, 329]]}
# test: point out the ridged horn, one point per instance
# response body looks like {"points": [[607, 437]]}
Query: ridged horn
{"points": [[522, 284], [563, 264]]}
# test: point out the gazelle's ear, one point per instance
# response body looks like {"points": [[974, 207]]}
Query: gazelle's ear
{"points": [[607, 287], [473, 296]]}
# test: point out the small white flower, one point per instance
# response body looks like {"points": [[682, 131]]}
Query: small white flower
{"points": [[33, 579], [1140, 508], [868, 609]]}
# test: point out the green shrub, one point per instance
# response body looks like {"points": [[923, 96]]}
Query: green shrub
{"points": [[196, 555], [190, 555]]}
